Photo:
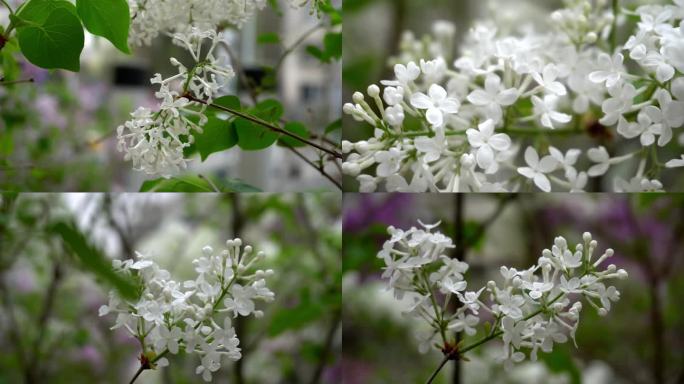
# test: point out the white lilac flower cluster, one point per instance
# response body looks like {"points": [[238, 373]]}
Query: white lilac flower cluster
{"points": [[530, 309], [154, 140], [171, 316], [150, 18], [463, 128]]}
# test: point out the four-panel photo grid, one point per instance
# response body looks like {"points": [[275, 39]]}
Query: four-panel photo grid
{"points": [[342, 191]]}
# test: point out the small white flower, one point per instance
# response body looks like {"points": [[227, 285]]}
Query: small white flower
{"points": [[622, 98], [548, 80], [487, 144], [611, 72], [240, 302], [432, 147], [546, 109], [464, 323], [393, 95], [405, 74], [538, 168], [389, 162], [566, 161], [537, 289], [437, 103], [510, 304], [493, 97], [648, 125], [512, 332], [600, 156], [394, 115]]}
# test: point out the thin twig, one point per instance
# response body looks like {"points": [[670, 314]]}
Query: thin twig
{"points": [[20, 81], [329, 339], [439, 368], [294, 46], [34, 368], [318, 168], [137, 373], [265, 124]]}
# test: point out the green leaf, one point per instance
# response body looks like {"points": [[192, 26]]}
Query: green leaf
{"points": [[332, 48], [270, 110], [298, 129], [252, 136], [334, 126], [217, 135], [268, 38], [10, 66], [333, 44], [37, 11], [295, 318], [107, 18], [94, 260], [317, 53], [195, 184], [229, 101], [56, 43], [177, 184]]}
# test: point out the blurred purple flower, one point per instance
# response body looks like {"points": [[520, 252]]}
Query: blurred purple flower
{"points": [[49, 111], [22, 279], [388, 209], [91, 356], [333, 374], [29, 70]]}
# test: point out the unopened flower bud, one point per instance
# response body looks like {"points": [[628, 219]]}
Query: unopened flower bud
{"points": [[347, 146], [357, 97], [348, 108], [352, 169], [207, 251], [373, 90], [591, 37]]}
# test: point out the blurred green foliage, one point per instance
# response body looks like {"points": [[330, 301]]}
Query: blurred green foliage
{"points": [[296, 341]]}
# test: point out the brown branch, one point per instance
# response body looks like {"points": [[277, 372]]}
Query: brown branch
{"points": [[13, 329], [446, 358], [319, 168], [264, 124], [137, 373], [20, 81], [329, 340], [33, 369]]}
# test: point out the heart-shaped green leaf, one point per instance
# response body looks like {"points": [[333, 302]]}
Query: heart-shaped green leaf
{"points": [[55, 43], [110, 19]]}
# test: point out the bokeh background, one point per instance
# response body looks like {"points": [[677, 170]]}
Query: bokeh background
{"points": [[50, 331], [640, 341], [59, 133], [367, 60]]}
